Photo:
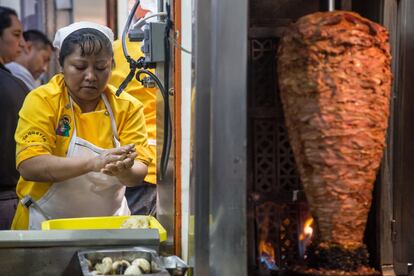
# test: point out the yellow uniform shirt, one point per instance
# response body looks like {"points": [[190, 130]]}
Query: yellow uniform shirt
{"points": [[147, 96], [46, 126]]}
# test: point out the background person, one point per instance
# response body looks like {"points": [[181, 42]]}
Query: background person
{"points": [[34, 60], [12, 94], [70, 131], [141, 199]]}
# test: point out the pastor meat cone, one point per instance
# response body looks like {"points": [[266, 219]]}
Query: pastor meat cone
{"points": [[334, 74]]}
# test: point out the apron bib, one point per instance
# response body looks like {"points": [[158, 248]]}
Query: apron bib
{"points": [[88, 195]]}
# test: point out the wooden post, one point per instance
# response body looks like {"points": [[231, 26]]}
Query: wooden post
{"points": [[177, 124]]}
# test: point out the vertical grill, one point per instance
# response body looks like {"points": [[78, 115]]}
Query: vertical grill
{"points": [[277, 207]]}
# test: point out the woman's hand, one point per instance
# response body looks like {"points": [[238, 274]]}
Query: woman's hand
{"points": [[119, 158], [120, 166], [120, 162]]}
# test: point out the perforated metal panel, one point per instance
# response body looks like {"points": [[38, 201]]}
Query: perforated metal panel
{"points": [[264, 155], [278, 225], [288, 177], [275, 180], [274, 165]]}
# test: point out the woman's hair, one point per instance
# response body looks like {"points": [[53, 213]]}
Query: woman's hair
{"points": [[90, 41], [5, 18]]}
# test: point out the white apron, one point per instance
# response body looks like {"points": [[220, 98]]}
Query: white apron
{"points": [[88, 195]]}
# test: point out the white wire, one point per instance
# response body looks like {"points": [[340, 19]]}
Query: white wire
{"points": [[176, 44], [148, 17]]}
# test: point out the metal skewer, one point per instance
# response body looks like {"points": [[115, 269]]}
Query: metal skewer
{"points": [[331, 5]]}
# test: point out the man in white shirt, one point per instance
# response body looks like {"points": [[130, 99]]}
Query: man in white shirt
{"points": [[34, 60]]}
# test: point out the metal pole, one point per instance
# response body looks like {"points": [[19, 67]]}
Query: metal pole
{"points": [[220, 236], [331, 5]]}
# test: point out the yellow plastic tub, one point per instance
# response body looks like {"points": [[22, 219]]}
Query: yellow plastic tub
{"points": [[88, 223]]}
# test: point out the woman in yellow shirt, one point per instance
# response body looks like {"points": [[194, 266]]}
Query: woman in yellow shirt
{"points": [[70, 133]]}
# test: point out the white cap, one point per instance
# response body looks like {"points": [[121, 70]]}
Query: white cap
{"points": [[62, 33]]}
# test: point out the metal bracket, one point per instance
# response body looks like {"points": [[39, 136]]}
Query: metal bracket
{"points": [[28, 201], [410, 269], [331, 5], [148, 82], [388, 270], [393, 231]]}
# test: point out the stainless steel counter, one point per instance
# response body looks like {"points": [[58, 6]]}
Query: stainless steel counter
{"points": [[53, 252]]}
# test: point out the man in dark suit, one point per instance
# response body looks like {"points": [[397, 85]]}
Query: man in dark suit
{"points": [[12, 94]]}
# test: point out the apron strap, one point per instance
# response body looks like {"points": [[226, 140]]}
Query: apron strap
{"points": [[113, 123], [74, 135]]}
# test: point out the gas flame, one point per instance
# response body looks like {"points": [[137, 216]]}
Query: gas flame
{"points": [[307, 231], [305, 237], [266, 249], [267, 255]]}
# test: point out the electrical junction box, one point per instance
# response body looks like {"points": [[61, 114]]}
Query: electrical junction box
{"points": [[153, 43]]}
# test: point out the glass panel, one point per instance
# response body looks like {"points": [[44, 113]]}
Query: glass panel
{"points": [[92, 10], [32, 14]]}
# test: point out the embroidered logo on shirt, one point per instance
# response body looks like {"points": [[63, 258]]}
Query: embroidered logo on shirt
{"points": [[63, 126], [34, 136]]}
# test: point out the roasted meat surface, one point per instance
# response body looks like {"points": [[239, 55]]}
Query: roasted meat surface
{"points": [[334, 74]]}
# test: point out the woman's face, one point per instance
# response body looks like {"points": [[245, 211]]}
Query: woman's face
{"points": [[11, 41], [86, 76]]}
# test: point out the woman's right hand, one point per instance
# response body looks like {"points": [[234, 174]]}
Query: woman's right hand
{"points": [[111, 156]]}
